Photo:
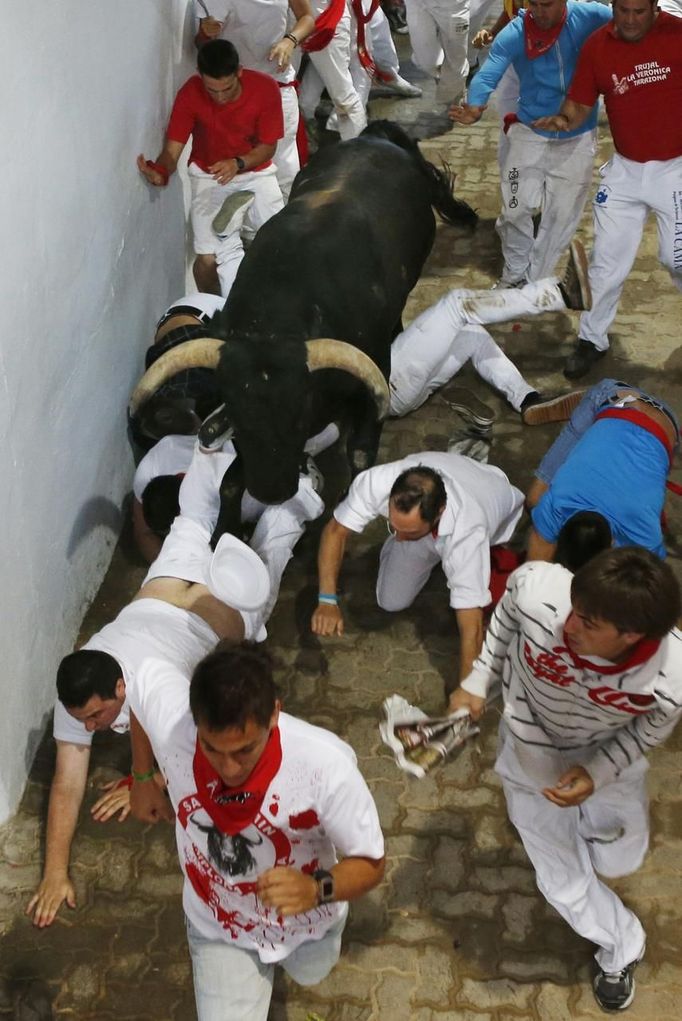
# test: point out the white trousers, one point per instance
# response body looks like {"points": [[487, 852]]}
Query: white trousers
{"points": [[628, 192], [330, 68], [441, 340], [607, 834], [232, 984], [379, 44], [439, 33], [286, 158], [278, 528], [541, 173], [207, 198]]}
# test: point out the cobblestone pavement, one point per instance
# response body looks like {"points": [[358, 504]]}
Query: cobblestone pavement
{"points": [[458, 929]]}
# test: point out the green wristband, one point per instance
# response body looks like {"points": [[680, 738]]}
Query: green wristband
{"points": [[143, 777]]}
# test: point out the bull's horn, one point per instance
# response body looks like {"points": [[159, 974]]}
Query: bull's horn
{"points": [[192, 354], [337, 354]]}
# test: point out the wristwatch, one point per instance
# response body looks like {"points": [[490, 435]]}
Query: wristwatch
{"points": [[241, 165], [325, 886]]}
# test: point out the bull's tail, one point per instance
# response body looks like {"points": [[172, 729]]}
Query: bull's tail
{"points": [[442, 182]]}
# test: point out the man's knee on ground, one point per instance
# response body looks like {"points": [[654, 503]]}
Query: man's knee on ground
{"points": [[393, 601]]}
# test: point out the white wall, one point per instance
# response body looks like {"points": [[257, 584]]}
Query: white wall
{"points": [[90, 256]]}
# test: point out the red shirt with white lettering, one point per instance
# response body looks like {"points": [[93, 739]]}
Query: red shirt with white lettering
{"points": [[642, 87], [221, 131]]}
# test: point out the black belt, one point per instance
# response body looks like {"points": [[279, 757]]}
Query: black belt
{"points": [[186, 310]]}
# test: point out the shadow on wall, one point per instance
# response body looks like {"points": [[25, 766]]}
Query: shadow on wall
{"points": [[95, 513]]}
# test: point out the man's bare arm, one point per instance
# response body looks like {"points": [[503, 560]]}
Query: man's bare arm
{"points": [[539, 548], [66, 797], [148, 543], [327, 618], [291, 892], [570, 116], [470, 627], [167, 160], [148, 802]]}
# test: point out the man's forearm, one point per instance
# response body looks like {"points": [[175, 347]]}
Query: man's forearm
{"points": [[354, 877], [260, 154], [330, 556], [470, 627], [141, 748], [62, 819]]}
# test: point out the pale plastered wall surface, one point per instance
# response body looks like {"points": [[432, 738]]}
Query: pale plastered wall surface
{"points": [[90, 256]]}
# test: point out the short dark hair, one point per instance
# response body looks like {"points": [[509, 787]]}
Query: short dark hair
{"points": [[85, 673], [166, 416], [218, 59], [232, 685], [161, 503], [583, 536], [630, 588], [419, 487]]}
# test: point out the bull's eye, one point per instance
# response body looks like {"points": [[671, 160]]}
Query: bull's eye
{"points": [[265, 376]]}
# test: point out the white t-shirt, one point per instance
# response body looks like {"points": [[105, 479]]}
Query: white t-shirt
{"points": [[172, 455], [207, 304], [482, 510], [145, 627], [316, 805], [253, 26]]}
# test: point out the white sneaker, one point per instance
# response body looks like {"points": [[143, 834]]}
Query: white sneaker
{"points": [[402, 87]]}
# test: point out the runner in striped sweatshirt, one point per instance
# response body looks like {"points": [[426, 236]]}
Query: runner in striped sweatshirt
{"points": [[591, 673]]}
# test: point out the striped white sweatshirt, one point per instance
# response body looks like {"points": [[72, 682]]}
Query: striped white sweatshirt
{"points": [[561, 714]]}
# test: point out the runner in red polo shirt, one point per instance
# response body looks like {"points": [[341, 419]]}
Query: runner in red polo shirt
{"points": [[635, 62], [235, 119]]}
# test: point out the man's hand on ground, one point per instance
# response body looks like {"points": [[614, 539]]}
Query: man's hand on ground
{"points": [[148, 802], [572, 788], [224, 170], [117, 798], [48, 898], [464, 114], [461, 699], [287, 890], [327, 620]]}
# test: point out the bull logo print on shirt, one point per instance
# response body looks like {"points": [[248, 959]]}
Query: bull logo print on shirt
{"points": [[620, 85]]}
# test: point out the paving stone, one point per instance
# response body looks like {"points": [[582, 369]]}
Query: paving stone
{"points": [[554, 1003], [436, 983], [496, 993], [518, 916]]}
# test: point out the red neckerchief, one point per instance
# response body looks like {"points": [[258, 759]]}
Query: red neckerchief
{"points": [[232, 809], [639, 653], [539, 40]]}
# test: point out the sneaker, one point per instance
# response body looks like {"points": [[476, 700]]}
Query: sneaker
{"points": [[215, 430], [538, 410], [467, 404], [401, 87], [312, 472], [583, 358], [507, 285], [615, 991], [467, 443], [230, 216], [575, 285]]}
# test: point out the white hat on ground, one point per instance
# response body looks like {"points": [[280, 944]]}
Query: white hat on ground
{"points": [[237, 576]]}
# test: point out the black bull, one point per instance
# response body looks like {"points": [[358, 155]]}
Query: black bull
{"points": [[338, 262]]}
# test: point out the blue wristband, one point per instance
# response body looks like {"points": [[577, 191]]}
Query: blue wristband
{"points": [[329, 598]]}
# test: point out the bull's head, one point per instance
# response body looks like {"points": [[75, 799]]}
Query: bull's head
{"points": [[267, 389]]}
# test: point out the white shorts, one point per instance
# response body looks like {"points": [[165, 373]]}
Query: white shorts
{"points": [[208, 197]]}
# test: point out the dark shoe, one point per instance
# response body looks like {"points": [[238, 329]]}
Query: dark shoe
{"points": [[615, 991], [584, 356], [215, 430], [575, 285], [538, 410], [467, 404]]}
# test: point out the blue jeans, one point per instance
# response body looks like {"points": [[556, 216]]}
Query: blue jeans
{"points": [[595, 400], [233, 984]]}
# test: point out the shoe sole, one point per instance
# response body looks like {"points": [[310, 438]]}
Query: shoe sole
{"points": [[466, 404], [580, 264], [557, 409], [232, 204]]}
